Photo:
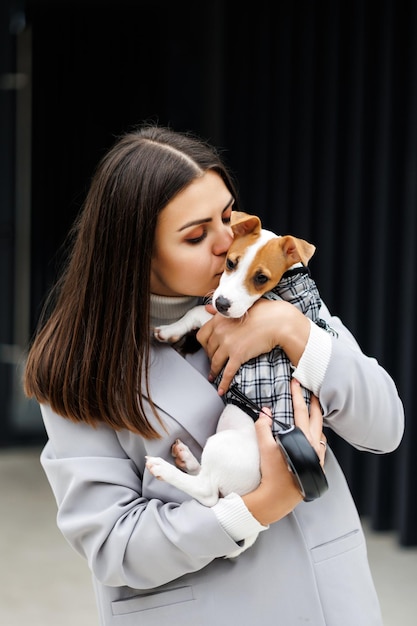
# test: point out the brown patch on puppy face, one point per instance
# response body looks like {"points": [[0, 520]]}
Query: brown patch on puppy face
{"points": [[273, 260]]}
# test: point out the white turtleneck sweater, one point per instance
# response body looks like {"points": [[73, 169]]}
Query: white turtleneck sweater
{"points": [[231, 511]]}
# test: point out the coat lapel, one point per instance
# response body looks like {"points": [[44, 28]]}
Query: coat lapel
{"points": [[183, 392]]}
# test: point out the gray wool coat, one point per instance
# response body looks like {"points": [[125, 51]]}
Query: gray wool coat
{"points": [[157, 557]]}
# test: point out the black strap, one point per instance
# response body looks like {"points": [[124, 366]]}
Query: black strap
{"points": [[302, 269]]}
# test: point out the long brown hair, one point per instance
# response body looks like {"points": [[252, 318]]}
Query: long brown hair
{"points": [[89, 358]]}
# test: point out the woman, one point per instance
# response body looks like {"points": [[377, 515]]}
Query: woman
{"points": [[150, 242]]}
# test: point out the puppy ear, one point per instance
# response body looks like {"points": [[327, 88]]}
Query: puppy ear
{"points": [[236, 216], [244, 224], [297, 250]]}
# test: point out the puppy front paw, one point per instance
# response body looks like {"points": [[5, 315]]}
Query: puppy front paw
{"points": [[164, 337], [168, 333]]}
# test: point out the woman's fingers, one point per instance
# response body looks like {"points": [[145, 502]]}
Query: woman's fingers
{"points": [[301, 416], [310, 423], [229, 342], [278, 493], [316, 418], [319, 439]]}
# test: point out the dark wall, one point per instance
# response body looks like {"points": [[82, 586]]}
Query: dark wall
{"points": [[315, 105], [7, 214], [113, 65]]}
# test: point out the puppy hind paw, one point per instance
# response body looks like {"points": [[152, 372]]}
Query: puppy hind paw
{"points": [[184, 458]]}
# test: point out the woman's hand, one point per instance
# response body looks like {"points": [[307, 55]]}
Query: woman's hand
{"points": [[278, 493], [231, 342]]}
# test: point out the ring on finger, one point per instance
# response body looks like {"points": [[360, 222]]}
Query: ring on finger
{"points": [[323, 443]]}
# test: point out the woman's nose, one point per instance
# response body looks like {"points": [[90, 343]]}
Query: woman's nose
{"points": [[223, 242]]}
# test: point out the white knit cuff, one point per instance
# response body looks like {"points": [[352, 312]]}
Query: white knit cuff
{"points": [[235, 518], [312, 366]]}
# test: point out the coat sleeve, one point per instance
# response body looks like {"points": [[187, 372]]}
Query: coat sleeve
{"points": [[359, 398], [128, 535]]}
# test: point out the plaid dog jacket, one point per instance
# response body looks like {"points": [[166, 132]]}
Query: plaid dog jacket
{"points": [[266, 378]]}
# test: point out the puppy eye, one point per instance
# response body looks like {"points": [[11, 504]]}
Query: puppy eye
{"points": [[260, 279], [230, 264]]}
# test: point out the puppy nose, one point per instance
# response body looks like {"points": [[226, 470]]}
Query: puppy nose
{"points": [[222, 304]]}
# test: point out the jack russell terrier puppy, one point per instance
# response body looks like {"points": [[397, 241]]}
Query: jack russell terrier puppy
{"points": [[259, 263]]}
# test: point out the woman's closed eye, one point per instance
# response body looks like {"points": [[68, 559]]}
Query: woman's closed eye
{"points": [[197, 239]]}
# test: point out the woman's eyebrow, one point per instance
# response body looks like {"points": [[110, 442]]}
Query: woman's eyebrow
{"points": [[205, 220]]}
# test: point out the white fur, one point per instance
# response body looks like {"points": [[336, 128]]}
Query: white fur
{"points": [[229, 464], [194, 318], [231, 285]]}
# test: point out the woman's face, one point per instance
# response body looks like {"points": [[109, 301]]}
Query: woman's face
{"points": [[192, 237]]}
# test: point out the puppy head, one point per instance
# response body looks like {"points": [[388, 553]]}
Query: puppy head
{"points": [[255, 263]]}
